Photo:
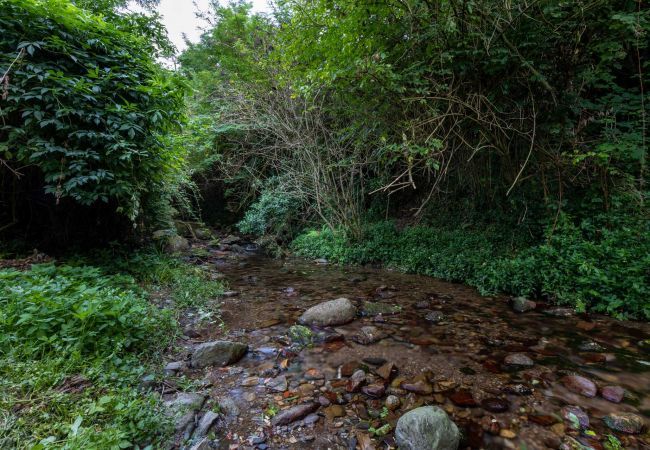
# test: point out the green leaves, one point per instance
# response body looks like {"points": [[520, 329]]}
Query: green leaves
{"points": [[86, 104]]}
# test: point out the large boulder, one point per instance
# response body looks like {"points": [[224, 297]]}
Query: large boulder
{"points": [[426, 428], [176, 244], [334, 312], [218, 353]]}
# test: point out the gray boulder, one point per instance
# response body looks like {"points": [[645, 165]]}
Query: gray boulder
{"points": [[176, 244], [426, 428], [218, 353], [334, 312], [183, 408]]}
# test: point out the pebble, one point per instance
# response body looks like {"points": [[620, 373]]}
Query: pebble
{"points": [[495, 405], [419, 387], [508, 434], [374, 390], [292, 414], [392, 402], [463, 398]]}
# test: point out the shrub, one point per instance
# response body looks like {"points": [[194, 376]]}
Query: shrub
{"points": [[74, 345], [73, 310], [606, 271]]}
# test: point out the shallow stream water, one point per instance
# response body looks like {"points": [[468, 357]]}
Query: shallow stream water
{"points": [[449, 347]]}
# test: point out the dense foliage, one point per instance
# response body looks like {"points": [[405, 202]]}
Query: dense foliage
{"points": [[528, 118], [85, 111], [70, 348]]}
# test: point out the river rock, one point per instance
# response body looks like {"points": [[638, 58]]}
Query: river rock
{"points": [[331, 313], [206, 422], [463, 398], [386, 371], [392, 402], [183, 407], [375, 390], [624, 422], [559, 312], [278, 384], [427, 427], [368, 335], [434, 317], [495, 405], [292, 414], [522, 304], [575, 416], [377, 308], [218, 353], [518, 360], [355, 381], [613, 394], [580, 385]]}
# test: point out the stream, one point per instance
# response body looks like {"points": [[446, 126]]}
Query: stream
{"points": [[540, 379]]}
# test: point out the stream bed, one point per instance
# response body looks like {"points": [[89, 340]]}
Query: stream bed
{"points": [[545, 378]]}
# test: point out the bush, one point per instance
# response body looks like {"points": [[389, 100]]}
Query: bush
{"points": [[74, 346], [73, 310], [84, 108], [603, 272]]}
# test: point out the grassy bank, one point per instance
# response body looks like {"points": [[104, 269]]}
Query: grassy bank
{"points": [[599, 270], [77, 343]]}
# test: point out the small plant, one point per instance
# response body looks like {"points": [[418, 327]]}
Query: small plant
{"points": [[381, 431], [612, 443], [271, 411]]}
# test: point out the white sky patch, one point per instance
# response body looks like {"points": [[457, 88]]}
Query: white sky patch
{"points": [[179, 16]]}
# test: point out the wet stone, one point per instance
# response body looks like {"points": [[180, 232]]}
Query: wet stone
{"points": [[377, 308], [522, 304], [559, 312], [386, 371], [613, 394], [374, 361], [517, 389], [218, 353], [333, 412], [355, 381], [590, 346], [628, 423], [544, 420], [374, 390], [349, 368], [314, 374], [426, 427], [331, 313], [369, 335], [434, 317], [392, 402], [463, 398], [278, 384], [518, 360], [576, 417], [580, 385], [420, 387], [495, 405], [292, 414]]}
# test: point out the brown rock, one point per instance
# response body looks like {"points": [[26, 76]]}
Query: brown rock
{"points": [[386, 371], [463, 398], [334, 411]]}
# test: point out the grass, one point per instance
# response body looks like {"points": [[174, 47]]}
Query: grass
{"points": [[77, 340]]}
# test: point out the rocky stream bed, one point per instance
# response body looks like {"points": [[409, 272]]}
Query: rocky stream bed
{"points": [[385, 359]]}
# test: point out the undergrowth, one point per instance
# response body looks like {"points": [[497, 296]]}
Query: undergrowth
{"points": [[601, 270], [77, 342]]}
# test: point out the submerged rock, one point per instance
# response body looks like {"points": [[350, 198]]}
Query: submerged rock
{"points": [[434, 317], [495, 405], [580, 385], [613, 394], [218, 353], [427, 427], [518, 360], [333, 312], [522, 304], [576, 417], [624, 422], [369, 335], [377, 308]]}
